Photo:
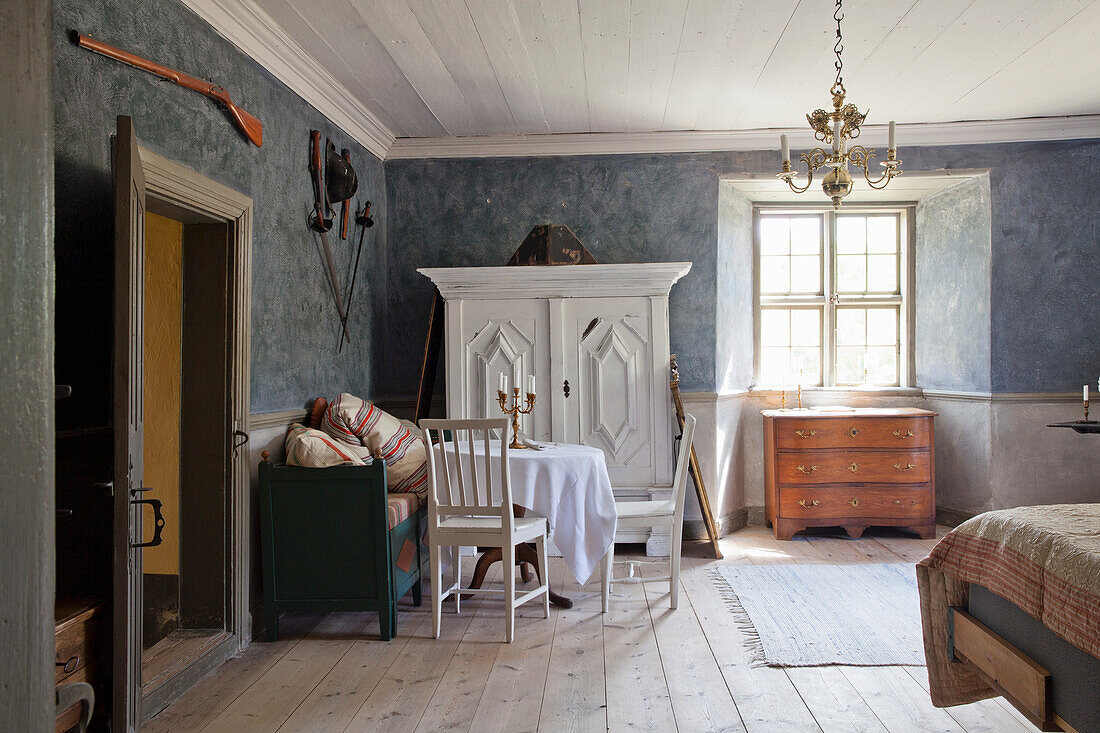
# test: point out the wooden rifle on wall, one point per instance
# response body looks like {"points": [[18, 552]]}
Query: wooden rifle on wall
{"points": [[693, 465], [252, 128]]}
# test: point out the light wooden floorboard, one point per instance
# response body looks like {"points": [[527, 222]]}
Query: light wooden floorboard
{"points": [[574, 699], [637, 694], [203, 702], [642, 666], [268, 703]]}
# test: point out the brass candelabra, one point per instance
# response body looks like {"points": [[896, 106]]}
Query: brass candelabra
{"points": [[515, 411]]}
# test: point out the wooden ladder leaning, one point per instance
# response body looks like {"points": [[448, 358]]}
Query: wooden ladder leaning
{"points": [[693, 466]]}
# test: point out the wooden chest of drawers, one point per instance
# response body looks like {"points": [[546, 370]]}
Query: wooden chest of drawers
{"points": [[81, 632], [850, 468]]}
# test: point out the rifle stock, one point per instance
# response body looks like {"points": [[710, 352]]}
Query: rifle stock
{"points": [[252, 128]]}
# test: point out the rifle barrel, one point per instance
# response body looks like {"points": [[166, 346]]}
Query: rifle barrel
{"points": [[247, 123]]}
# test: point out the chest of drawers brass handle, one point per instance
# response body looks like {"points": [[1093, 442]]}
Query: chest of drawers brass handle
{"points": [[802, 468], [854, 501], [808, 503], [853, 466], [853, 432], [805, 433], [906, 467], [900, 434]]}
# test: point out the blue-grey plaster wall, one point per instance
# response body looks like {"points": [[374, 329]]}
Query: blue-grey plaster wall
{"points": [[630, 208], [1045, 234], [954, 263], [27, 514], [734, 328], [294, 322], [1045, 201]]}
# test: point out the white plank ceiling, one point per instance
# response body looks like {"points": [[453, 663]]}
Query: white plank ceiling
{"points": [[439, 68]]}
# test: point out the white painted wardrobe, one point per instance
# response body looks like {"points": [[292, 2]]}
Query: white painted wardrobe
{"points": [[596, 338]]}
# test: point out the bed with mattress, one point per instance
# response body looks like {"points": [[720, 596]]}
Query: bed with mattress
{"points": [[1010, 605]]}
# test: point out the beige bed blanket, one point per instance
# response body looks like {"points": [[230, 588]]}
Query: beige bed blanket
{"points": [[1044, 559]]}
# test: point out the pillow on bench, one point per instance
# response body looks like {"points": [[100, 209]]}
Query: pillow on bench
{"points": [[358, 423], [315, 449]]}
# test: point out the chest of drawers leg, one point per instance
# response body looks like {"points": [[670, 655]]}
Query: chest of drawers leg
{"points": [[852, 469]]}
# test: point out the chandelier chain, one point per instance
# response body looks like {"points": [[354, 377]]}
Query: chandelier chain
{"points": [[838, 47]]}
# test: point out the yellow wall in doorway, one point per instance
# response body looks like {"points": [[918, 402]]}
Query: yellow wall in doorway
{"points": [[163, 380]]}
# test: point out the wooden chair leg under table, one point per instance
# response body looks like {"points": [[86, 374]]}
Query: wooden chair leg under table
{"points": [[525, 553]]}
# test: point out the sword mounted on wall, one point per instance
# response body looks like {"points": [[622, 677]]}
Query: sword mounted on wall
{"points": [[335, 183]]}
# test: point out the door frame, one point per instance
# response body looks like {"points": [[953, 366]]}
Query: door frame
{"points": [[173, 185], [179, 192]]}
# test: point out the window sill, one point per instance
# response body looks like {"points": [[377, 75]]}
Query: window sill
{"points": [[840, 391]]}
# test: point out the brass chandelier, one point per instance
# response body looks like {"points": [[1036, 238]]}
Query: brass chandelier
{"points": [[837, 128]]}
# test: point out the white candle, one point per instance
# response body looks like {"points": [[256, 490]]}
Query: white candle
{"points": [[836, 136], [530, 384], [784, 149], [893, 136], [1085, 393], [503, 383]]}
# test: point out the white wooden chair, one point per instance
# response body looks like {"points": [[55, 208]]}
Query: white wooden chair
{"points": [[651, 513], [462, 511]]}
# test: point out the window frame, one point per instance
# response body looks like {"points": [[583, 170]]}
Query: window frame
{"points": [[827, 301]]}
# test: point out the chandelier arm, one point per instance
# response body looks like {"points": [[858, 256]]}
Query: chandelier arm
{"points": [[884, 179], [814, 159]]}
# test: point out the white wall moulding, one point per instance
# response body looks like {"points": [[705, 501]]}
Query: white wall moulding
{"points": [[568, 281], [283, 418], [1018, 397], [700, 141], [253, 31]]}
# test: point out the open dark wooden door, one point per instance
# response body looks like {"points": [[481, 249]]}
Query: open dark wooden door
{"points": [[129, 321]]}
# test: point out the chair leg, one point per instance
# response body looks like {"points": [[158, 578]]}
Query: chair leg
{"points": [[544, 574], [509, 592], [456, 573], [437, 588], [606, 568], [674, 566]]}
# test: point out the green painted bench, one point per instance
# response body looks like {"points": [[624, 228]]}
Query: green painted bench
{"points": [[328, 546]]}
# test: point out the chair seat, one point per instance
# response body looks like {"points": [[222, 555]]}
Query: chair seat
{"points": [[524, 526], [632, 509]]}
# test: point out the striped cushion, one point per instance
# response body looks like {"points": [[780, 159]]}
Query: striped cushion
{"points": [[356, 422], [314, 449], [400, 507]]}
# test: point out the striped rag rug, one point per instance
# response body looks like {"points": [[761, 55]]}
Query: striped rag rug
{"points": [[813, 615]]}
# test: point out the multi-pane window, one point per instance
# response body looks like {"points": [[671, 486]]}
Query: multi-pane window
{"points": [[831, 307]]}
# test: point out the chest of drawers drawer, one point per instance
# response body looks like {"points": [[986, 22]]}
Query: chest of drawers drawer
{"points": [[817, 433], [817, 503], [853, 466]]}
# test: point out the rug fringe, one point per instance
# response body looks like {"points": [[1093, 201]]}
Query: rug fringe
{"points": [[753, 644]]}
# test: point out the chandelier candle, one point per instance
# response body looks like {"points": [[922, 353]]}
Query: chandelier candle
{"points": [[838, 127]]}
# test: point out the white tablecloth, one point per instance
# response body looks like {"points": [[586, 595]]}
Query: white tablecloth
{"points": [[569, 485]]}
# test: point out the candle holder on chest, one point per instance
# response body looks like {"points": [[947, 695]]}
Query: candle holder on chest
{"points": [[515, 411]]}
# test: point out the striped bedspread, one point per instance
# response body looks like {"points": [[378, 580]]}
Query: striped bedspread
{"points": [[1044, 559]]}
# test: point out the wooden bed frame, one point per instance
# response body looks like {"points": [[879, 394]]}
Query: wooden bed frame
{"points": [[1022, 681]]}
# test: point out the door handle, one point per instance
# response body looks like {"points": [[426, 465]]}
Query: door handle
{"points": [[243, 436], [158, 518], [565, 388]]}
